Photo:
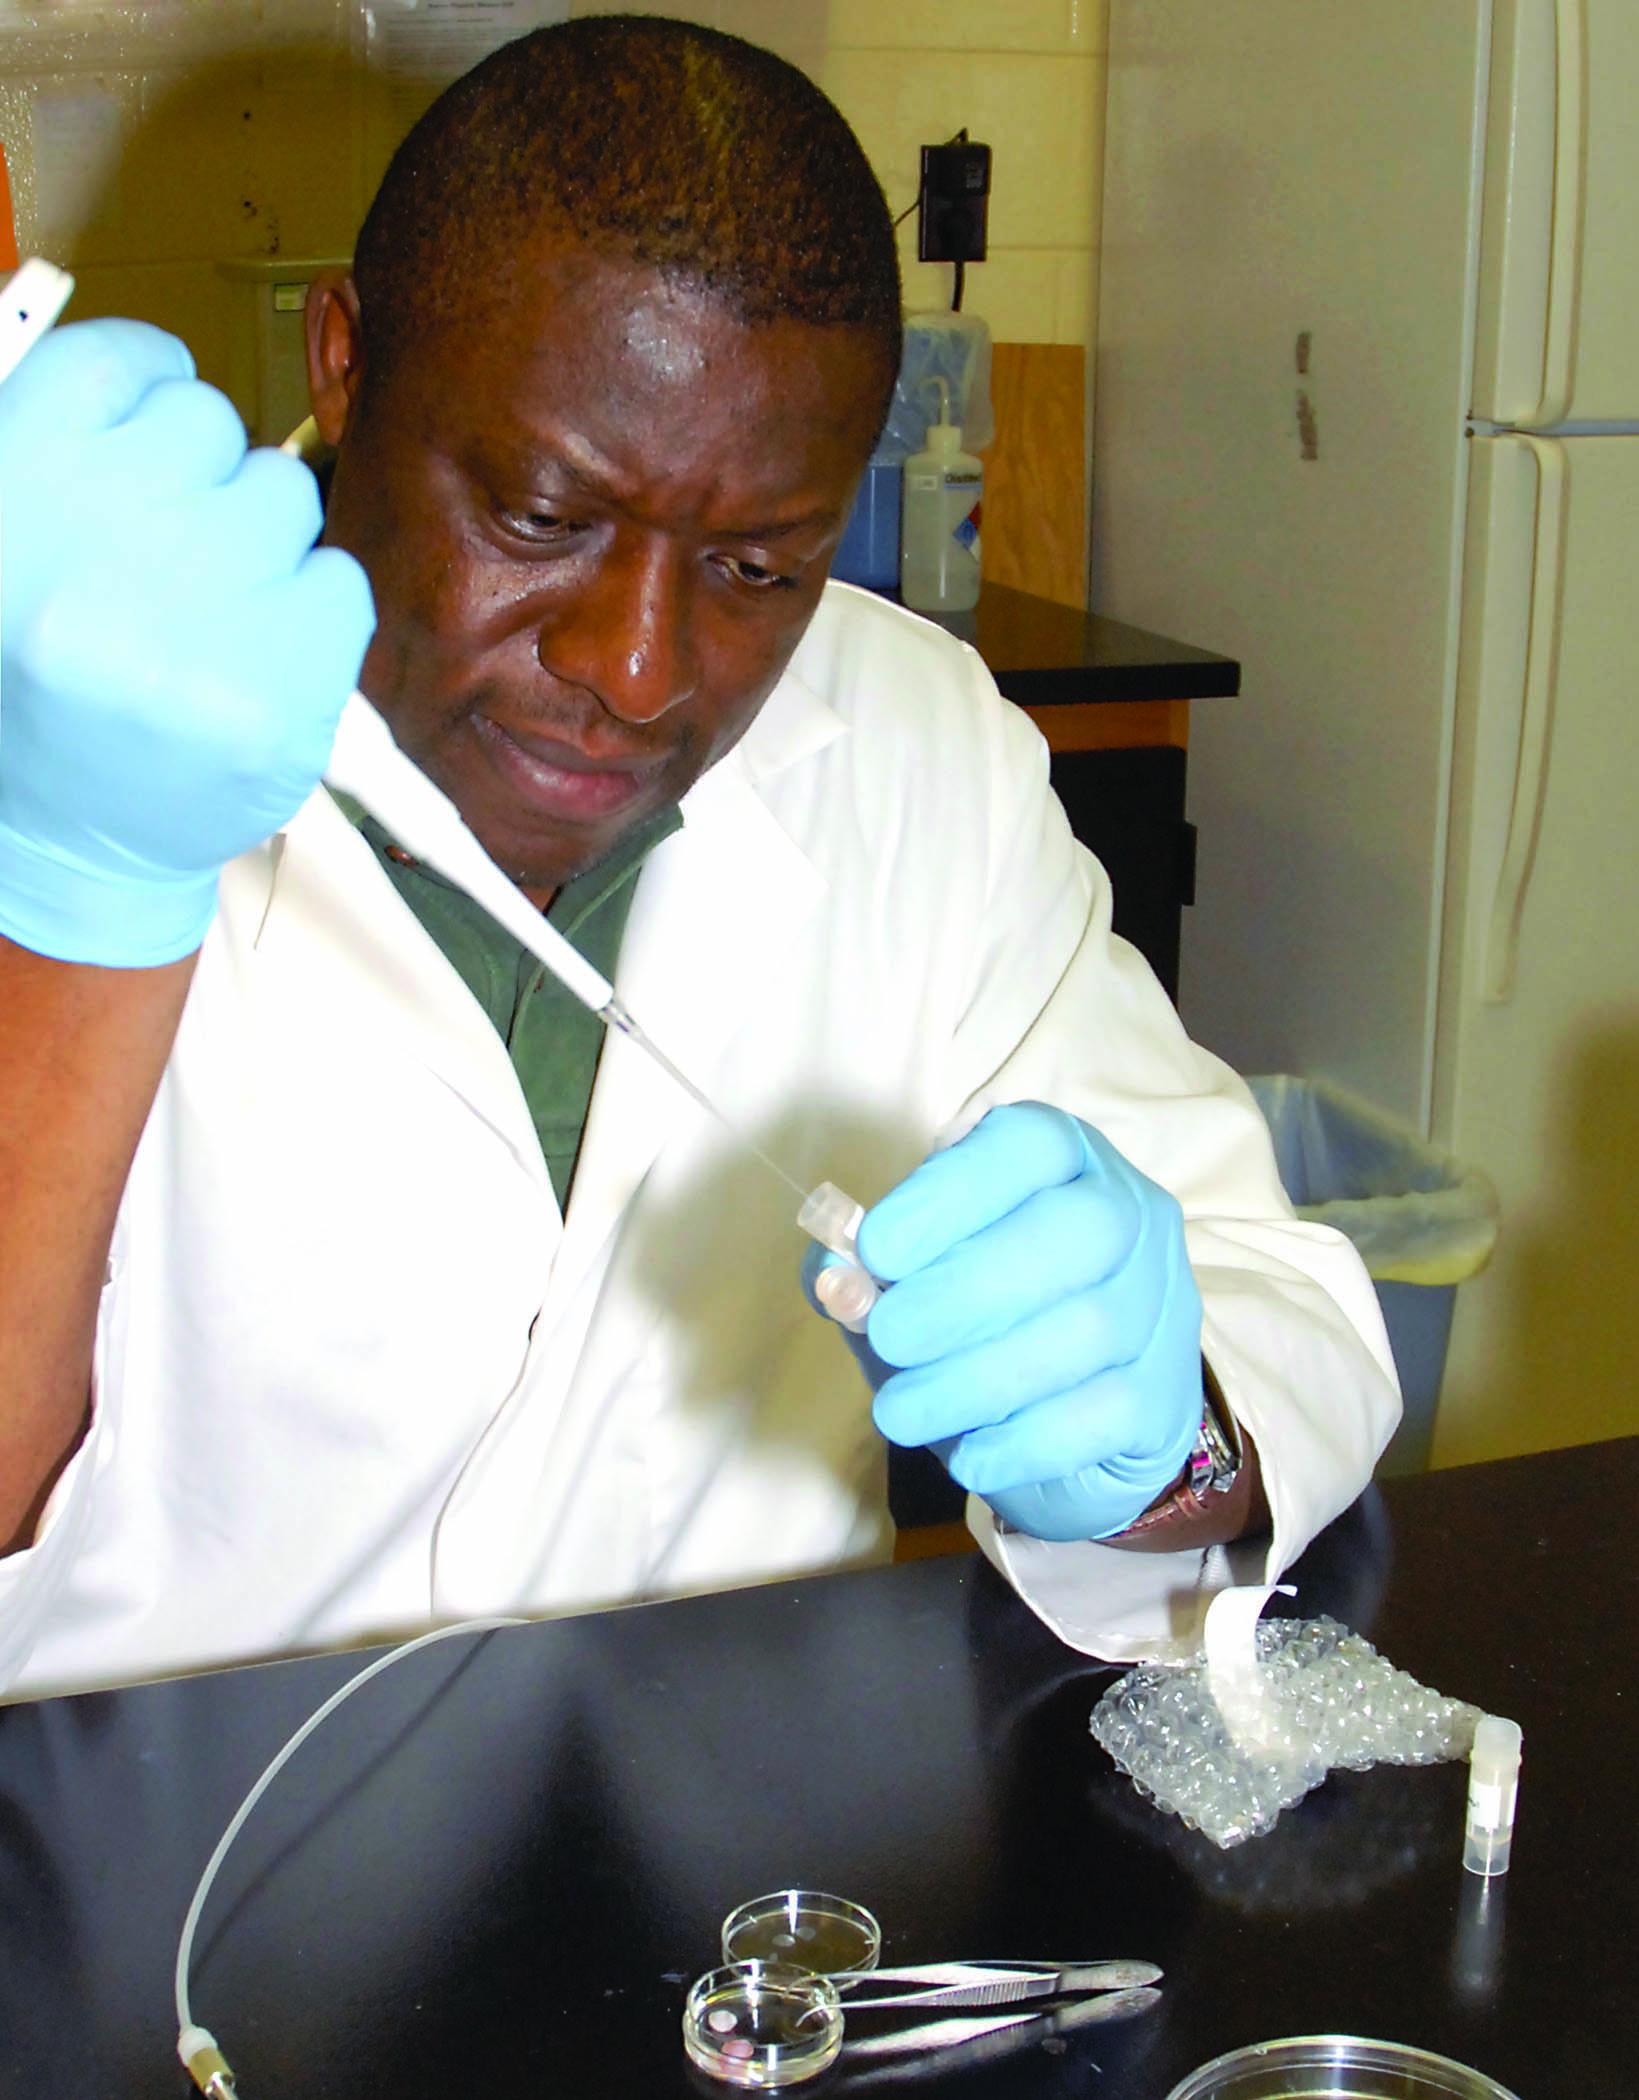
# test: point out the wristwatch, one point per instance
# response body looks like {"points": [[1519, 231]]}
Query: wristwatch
{"points": [[1211, 1469]]}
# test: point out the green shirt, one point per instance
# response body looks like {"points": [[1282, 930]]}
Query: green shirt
{"points": [[553, 1041]]}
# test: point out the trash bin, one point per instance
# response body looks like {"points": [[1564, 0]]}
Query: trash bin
{"points": [[1421, 1220]]}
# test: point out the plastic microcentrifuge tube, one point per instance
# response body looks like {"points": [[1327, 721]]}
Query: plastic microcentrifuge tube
{"points": [[1493, 1788], [833, 1218]]}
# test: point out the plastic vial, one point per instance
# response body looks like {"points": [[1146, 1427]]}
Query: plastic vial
{"points": [[1493, 1788], [833, 1218]]}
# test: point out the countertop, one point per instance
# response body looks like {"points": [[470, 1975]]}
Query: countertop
{"points": [[497, 1869], [1044, 654]]}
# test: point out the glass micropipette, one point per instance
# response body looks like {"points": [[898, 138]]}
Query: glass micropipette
{"points": [[367, 764], [618, 1016]]}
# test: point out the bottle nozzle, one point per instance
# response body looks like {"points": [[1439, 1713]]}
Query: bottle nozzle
{"points": [[944, 437]]}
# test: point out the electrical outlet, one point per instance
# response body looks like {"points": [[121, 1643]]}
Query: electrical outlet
{"points": [[953, 205]]}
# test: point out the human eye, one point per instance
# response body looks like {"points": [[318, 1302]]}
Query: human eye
{"points": [[754, 575], [541, 524]]}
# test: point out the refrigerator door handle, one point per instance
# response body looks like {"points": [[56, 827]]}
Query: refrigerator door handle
{"points": [[1501, 952], [1570, 152]]}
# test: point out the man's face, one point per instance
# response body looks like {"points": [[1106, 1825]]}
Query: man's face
{"points": [[597, 521]]}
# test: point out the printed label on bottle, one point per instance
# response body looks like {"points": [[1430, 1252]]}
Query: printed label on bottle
{"points": [[967, 533]]}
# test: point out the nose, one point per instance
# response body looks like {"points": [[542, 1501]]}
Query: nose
{"points": [[625, 634]]}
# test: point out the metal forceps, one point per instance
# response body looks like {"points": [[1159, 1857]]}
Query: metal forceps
{"points": [[995, 1996]]}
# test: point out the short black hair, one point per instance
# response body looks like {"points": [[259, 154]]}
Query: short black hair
{"points": [[650, 140]]}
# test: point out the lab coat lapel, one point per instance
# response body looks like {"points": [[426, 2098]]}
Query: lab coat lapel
{"points": [[319, 902], [719, 928]]}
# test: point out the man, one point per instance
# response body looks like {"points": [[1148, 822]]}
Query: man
{"points": [[399, 1294]]}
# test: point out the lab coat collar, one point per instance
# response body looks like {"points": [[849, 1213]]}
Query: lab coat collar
{"points": [[319, 909], [794, 722]]}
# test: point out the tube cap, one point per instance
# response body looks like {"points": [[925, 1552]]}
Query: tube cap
{"points": [[1496, 1752]]}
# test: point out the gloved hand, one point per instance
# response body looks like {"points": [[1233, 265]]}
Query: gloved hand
{"points": [[173, 658], [1042, 1328]]}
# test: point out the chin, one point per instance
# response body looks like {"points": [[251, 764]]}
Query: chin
{"points": [[537, 871]]}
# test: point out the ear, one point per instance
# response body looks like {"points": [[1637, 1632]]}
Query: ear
{"points": [[335, 352]]}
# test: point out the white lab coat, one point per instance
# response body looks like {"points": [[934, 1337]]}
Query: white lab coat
{"points": [[353, 1370]]}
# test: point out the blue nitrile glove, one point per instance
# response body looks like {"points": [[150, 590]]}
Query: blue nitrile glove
{"points": [[173, 658], [1042, 1329]]}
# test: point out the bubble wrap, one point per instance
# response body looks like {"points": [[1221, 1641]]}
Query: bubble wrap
{"points": [[1327, 1698]]}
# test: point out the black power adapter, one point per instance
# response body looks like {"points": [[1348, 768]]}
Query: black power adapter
{"points": [[953, 205]]}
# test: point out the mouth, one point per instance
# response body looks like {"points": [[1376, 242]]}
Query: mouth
{"points": [[562, 780]]}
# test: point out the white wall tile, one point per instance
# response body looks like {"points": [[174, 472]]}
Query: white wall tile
{"points": [[962, 25], [273, 147], [1038, 115], [797, 29], [1090, 25], [1015, 290], [1075, 306], [230, 159], [187, 298]]}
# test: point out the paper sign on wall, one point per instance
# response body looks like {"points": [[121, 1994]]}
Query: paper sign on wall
{"points": [[79, 138], [436, 41]]}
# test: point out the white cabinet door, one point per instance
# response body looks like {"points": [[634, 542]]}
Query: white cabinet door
{"points": [[1559, 280], [1538, 1066]]}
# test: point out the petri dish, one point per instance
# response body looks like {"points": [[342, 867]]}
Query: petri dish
{"points": [[826, 1934], [758, 2023], [1336, 2067]]}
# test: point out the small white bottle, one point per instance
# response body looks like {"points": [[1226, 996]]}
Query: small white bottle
{"points": [[939, 520]]}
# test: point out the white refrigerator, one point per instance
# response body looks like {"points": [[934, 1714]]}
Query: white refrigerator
{"points": [[1367, 418]]}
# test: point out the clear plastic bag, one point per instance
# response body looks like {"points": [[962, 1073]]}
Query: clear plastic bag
{"points": [[1414, 1213], [956, 349], [1325, 1697]]}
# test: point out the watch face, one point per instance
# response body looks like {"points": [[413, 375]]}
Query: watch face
{"points": [[1214, 1462]]}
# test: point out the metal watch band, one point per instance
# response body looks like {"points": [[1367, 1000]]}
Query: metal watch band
{"points": [[1211, 1470]]}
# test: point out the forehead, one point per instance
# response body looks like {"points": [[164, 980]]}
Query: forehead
{"points": [[573, 349]]}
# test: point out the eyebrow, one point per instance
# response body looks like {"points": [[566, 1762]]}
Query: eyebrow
{"points": [[805, 523], [587, 480]]}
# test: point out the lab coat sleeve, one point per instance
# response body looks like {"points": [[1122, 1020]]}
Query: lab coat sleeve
{"points": [[1061, 1010], [34, 1580]]}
